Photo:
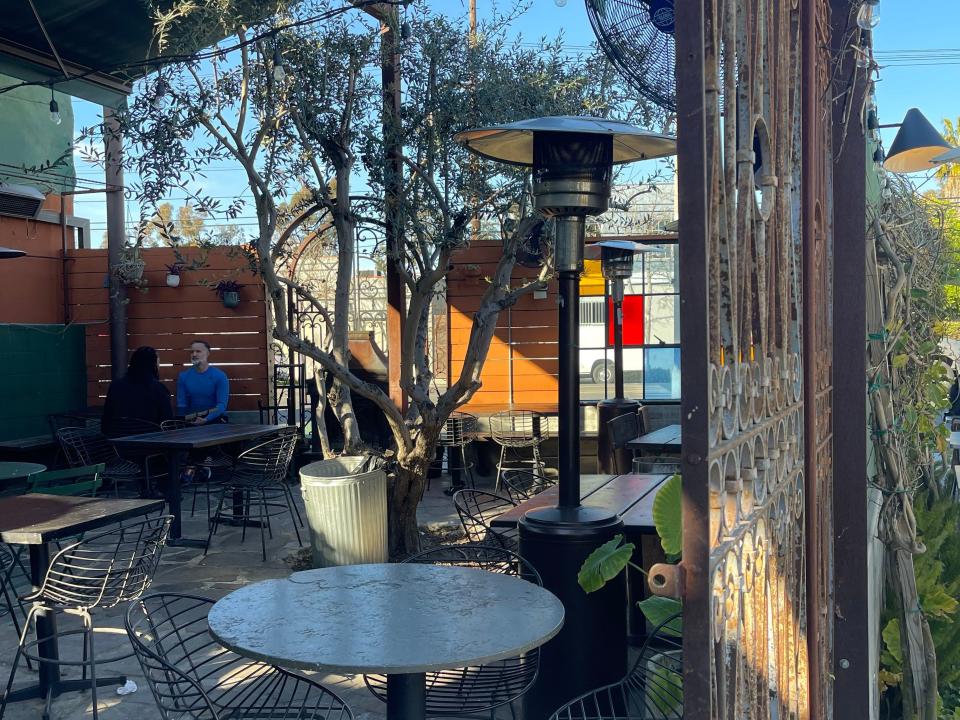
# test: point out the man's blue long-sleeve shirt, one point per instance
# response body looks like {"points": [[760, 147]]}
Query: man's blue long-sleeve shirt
{"points": [[199, 391]]}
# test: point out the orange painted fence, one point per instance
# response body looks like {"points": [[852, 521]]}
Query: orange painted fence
{"points": [[522, 365], [168, 319]]}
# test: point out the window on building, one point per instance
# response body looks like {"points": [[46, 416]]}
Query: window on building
{"points": [[651, 331]]}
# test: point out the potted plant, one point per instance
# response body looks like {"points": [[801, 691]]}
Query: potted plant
{"points": [[129, 270], [173, 274], [229, 292]]}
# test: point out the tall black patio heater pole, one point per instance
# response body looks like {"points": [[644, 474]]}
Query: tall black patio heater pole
{"points": [[572, 160]]}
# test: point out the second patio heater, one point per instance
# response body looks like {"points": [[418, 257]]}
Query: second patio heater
{"points": [[572, 160], [616, 263]]}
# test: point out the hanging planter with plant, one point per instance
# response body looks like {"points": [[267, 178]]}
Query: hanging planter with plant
{"points": [[129, 270], [229, 292], [173, 274]]}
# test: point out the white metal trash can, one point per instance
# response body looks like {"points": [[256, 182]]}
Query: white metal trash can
{"points": [[346, 510]]}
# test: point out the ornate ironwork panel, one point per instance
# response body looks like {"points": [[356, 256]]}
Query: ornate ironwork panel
{"points": [[763, 196]]}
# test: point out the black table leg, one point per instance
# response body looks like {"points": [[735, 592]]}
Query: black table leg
{"points": [[174, 463], [46, 622], [406, 696]]}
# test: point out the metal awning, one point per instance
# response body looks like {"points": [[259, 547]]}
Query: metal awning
{"points": [[100, 43]]}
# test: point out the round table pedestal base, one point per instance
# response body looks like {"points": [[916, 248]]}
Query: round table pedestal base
{"points": [[406, 696]]}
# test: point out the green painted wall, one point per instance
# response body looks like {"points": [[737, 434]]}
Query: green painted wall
{"points": [[31, 140], [44, 371]]}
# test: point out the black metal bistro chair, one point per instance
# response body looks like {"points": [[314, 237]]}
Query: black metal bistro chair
{"points": [[456, 436], [15, 584], [477, 509], [259, 481], [98, 572], [621, 430], [468, 691], [652, 689], [515, 431], [193, 677], [83, 447], [521, 485], [210, 465]]}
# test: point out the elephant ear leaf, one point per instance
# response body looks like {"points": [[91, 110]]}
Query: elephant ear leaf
{"points": [[667, 507], [604, 564]]}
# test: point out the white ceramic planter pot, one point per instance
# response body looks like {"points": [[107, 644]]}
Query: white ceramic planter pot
{"points": [[173, 280]]}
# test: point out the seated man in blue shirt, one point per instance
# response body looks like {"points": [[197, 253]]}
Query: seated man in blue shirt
{"points": [[202, 390]]}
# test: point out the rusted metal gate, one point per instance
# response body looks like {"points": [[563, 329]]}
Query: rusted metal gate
{"points": [[756, 267]]}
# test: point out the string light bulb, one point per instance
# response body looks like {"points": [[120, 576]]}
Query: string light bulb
{"points": [[560, 3], [54, 109], [279, 74], [868, 16]]}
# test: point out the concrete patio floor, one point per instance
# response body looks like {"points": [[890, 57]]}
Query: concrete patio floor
{"points": [[228, 565]]}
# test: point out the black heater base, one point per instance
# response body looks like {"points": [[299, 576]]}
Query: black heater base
{"points": [[591, 649]]}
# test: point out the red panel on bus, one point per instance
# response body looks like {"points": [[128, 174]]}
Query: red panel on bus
{"points": [[632, 320]]}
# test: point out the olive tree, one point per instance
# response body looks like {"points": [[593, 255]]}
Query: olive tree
{"points": [[296, 106]]}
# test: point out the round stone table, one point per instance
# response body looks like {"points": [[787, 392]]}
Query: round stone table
{"points": [[19, 470], [393, 619]]}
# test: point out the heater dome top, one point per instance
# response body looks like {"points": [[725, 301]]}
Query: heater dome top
{"points": [[513, 143]]}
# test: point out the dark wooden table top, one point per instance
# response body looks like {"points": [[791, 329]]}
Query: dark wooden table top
{"points": [[191, 438], [666, 438], [626, 495], [37, 518]]}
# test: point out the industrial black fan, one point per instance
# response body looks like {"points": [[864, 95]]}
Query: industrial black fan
{"points": [[637, 37]]}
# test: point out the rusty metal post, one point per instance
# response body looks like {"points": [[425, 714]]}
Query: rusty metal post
{"points": [[692, 164], [116, 238], [851, 669]]}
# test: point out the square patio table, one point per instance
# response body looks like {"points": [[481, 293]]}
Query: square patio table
{"points": [[36, 520], [176, 444], [666, 439]]}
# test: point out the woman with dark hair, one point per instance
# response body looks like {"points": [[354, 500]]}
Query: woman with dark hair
{"points": [[137, 396]]}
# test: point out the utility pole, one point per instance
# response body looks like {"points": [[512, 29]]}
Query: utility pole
{"points": [[389, 19], [116, 239]]}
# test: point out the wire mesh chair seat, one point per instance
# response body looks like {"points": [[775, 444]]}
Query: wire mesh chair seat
{"points": [[652, 689], [457, 434], [479, 688], [521, 485], [99, 572], [83, 446], [513, 431], [477, 509], [257, 485], [192, 676]]}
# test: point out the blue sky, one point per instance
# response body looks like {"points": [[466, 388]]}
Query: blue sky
{"points": [[927, 81]]}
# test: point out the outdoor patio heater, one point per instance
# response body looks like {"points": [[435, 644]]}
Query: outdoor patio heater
{"points": [[572, 160], [616, 263]]}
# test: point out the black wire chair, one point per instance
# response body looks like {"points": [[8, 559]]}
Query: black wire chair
{"points": [[257, 485], [477, 509], [83, 446], [456, 435], [15, 583], [192, 676], [124, 426], [521, 485], [652, 689], [513, 431], [98, 572], [212, 463], [476, 689]]}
